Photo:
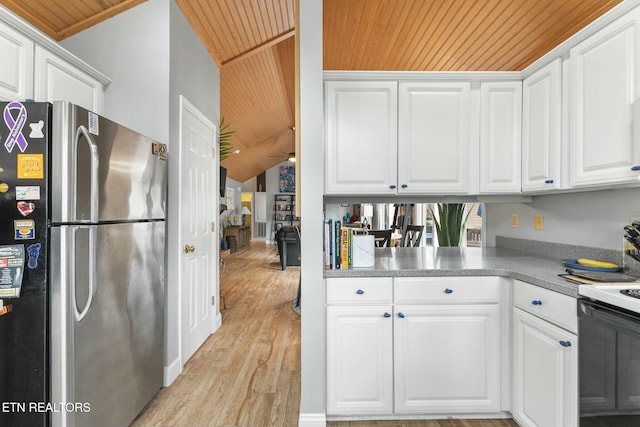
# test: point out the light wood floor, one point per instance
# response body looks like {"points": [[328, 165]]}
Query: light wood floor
{"points": [[248, 372]]}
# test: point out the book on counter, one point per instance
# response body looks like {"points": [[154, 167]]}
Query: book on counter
{"points": [[338, 245]]}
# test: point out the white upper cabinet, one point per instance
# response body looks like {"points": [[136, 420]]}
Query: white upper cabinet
{"points": [[541, 129], [361, 149], [16, 71], [605, 115], [500, 134], [434, 140], [59, 80]]}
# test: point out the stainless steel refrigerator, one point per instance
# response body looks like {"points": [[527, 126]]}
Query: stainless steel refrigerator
{"points": [[82, 235]]}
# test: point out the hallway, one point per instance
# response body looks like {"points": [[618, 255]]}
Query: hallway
{"points": [[248, 372]]}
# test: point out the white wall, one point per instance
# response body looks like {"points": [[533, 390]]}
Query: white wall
{"points": [[153, 55], [593, 218]]}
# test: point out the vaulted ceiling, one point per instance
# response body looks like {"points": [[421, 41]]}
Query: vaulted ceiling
{"points": [[252, 41]]}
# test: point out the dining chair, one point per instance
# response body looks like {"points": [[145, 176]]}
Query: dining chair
{"points": [[411, 238], [382, 237]]}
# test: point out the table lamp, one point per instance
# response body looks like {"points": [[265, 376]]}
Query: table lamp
{"points": [[244, 212]]}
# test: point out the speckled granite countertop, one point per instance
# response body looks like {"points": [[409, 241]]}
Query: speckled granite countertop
{"points": [[429, 261]]}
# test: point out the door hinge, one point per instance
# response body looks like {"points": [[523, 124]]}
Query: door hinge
{"points": [[213, 300], [213, 153]]}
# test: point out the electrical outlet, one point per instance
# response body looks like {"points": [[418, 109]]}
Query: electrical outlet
{"points": [[538, 222], [514, 220]]}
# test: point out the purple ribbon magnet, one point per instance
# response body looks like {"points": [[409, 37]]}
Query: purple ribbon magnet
{"points": [[15, 126]]}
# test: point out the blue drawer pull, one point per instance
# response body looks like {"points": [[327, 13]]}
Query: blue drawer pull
{"points": [[387, 315], [401, 315], [548, 181], [635, 168], [404, 186], [448, 291], [392, 187], [565, 343], [536, 302], [359, 292]]}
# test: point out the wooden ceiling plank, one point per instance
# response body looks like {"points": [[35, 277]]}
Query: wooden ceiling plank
{"points": [[260, 48], [531, 28], [95, 19], [521, 60], [471, 33], [497, 32], [426, 49], [194, 13], [456, 26], [410, 36], [389, 32]]}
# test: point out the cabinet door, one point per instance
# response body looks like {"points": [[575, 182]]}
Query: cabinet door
{"points": [[57, 80], [447, 359], [433, 135], [604, 105], [541, 121], [359, 360], [16, 72], [500, 135], [545, 373], [361, 147]]}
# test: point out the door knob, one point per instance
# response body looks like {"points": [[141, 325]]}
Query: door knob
{"points": [[189, 249]]}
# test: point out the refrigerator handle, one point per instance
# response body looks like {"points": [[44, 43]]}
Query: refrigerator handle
{"points": [[82, 131], [79, 315]]}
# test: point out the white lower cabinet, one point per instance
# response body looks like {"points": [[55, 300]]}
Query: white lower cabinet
{"points": [[359, 360], [446, 358], [545, 360], [432, 349]]}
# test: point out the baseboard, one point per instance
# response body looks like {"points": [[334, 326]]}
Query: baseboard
{"points": [[312, 420], [218, 322], [171, 372]]}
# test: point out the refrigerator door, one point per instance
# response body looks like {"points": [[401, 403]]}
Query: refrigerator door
{"points": [[102, 171], [24, 367], [107, 321]]}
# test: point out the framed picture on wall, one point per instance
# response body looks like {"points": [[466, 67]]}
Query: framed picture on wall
{"points": [[287, 179]]}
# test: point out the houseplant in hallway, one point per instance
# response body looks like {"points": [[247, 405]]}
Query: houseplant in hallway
{"points": [[450, 221]]}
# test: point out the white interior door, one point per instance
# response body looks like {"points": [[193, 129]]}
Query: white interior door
{"points": [[198, 204]]}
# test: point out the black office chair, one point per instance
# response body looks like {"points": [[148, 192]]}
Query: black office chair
{"points": [[382, 237], [411, 238]]}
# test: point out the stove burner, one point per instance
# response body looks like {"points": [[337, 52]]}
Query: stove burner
{"points": [[634, 293]]}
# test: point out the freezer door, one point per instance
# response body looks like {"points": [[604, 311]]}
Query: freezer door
{"points": [[102, 171], [107, 332]]}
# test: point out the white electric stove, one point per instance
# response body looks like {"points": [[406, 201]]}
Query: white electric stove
{"points": [[625, 296]]}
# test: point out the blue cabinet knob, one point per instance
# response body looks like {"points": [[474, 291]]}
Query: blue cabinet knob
{"points": [[635, 168], [392, 186], [404, 186], [387, 315], [359, 292], [536, 302], [401, 315], [565, 343], [448, 291], [548, 181]]}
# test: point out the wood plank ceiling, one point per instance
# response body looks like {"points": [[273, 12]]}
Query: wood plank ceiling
{"points": [[252, 42]]}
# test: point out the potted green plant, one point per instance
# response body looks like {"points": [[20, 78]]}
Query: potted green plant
{"points": [[224, 139], [450, 223]]}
